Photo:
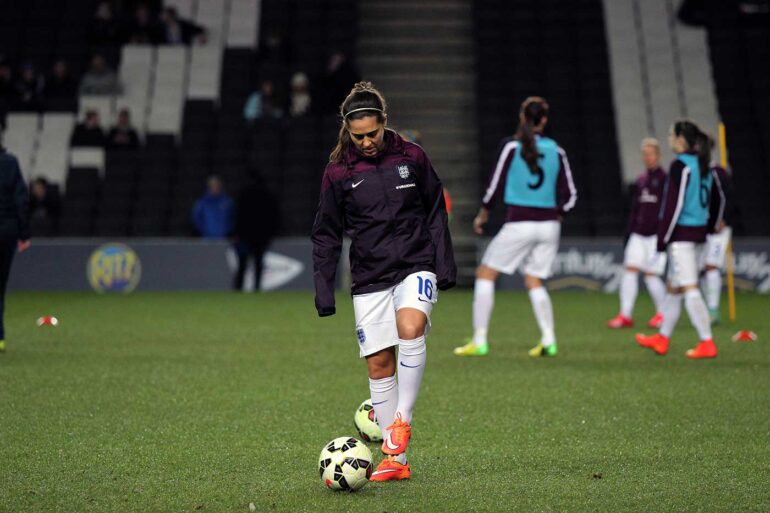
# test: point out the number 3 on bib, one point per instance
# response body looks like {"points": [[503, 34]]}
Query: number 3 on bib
{"points": [[425, 287]]}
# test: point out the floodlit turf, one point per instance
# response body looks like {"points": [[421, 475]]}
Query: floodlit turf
{"points": [[209, 402]]}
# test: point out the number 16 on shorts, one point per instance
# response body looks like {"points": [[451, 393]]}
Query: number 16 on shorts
{"points": [[426, 287]]}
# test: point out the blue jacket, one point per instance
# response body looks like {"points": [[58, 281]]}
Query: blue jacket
{"points": [[213, 216]]}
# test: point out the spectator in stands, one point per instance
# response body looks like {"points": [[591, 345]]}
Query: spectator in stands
{"points": [[213, 213], [335, 85], [263, 103], [104, 30], [142, 28], [300, 101], [44, 207], [176, 31], [123, 135], [60, 88], [29, 89], [255, 205], [99, 79], [14, 223], [89, 132]]}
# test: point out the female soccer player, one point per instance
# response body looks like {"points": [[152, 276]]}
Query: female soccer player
{"points": [[383, 193], [642, 241], [538, 191], [14, 223], [693, 204]]}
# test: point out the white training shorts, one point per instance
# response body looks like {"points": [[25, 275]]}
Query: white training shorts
{"points": [[642, 253], [683, 263], [535, 241], [715, 250], [375, 312]]}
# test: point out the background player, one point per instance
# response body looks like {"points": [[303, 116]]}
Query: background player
{"points": [[641, 241], [14, 224], [383, 193], [715, 251], [538, 190], [693, 205]]}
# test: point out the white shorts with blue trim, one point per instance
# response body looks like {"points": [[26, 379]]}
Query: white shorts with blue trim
{"points": [[375, 312]]}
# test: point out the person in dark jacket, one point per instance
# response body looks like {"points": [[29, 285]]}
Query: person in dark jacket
{"points": [[714, 253], [176, 31], [89, 132], [123, 135], [693, 205], [255, 225], [213, 213], [534, 177], [383, 193], [44, 207], [641, 252], [14, 224]]}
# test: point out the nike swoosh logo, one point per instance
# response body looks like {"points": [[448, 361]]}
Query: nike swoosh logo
{"points": [[410, 366], [390, 445], [375, 404], [356, 184], [424, 301], [385, 471]]}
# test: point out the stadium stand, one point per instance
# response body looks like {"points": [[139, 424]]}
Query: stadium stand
{"points": [[556, 49], [739, 46]]}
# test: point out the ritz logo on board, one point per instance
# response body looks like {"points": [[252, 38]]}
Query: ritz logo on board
{"points": [[114, 267]]}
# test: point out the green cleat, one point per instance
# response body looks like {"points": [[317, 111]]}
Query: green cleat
{"points": [[471, 349], [714, 316], [541, 351]]}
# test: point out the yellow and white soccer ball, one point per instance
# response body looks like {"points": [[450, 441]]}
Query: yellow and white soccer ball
{"points": [[366, 422], [345, 464]]}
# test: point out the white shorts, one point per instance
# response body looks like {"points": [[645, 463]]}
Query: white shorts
{"points": [[715, 250], [642, 253], [683, 263], [537, 241], [375, 312]]}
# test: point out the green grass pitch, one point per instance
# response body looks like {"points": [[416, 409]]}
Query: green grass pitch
{"points": [[208, 402]]}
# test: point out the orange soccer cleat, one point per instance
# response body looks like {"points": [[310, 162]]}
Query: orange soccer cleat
{"points": [[706, 349], [656, 321], [395, 443], [390, 469], [620, 321], [657, 342]]}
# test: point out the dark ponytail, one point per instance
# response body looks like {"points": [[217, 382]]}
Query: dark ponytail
{"points": [[533, 110], [364, 100], [697, 141]]}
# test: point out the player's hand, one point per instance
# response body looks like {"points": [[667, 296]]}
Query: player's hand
{"points": [[480, 220], [23, 245], [721, 226]]}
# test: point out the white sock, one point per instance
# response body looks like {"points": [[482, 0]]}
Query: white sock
{"points": [[672, 309], [483, 302], [385, 400], [713, 288], [698, 313], [657, 290], [541, 305], [411, 365], [629, 288]]}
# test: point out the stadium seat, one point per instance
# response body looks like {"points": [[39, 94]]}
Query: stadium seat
{"points": [[88, 157]]}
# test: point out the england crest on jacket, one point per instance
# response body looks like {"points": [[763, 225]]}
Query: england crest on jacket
{"points": [[403, 171]]}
